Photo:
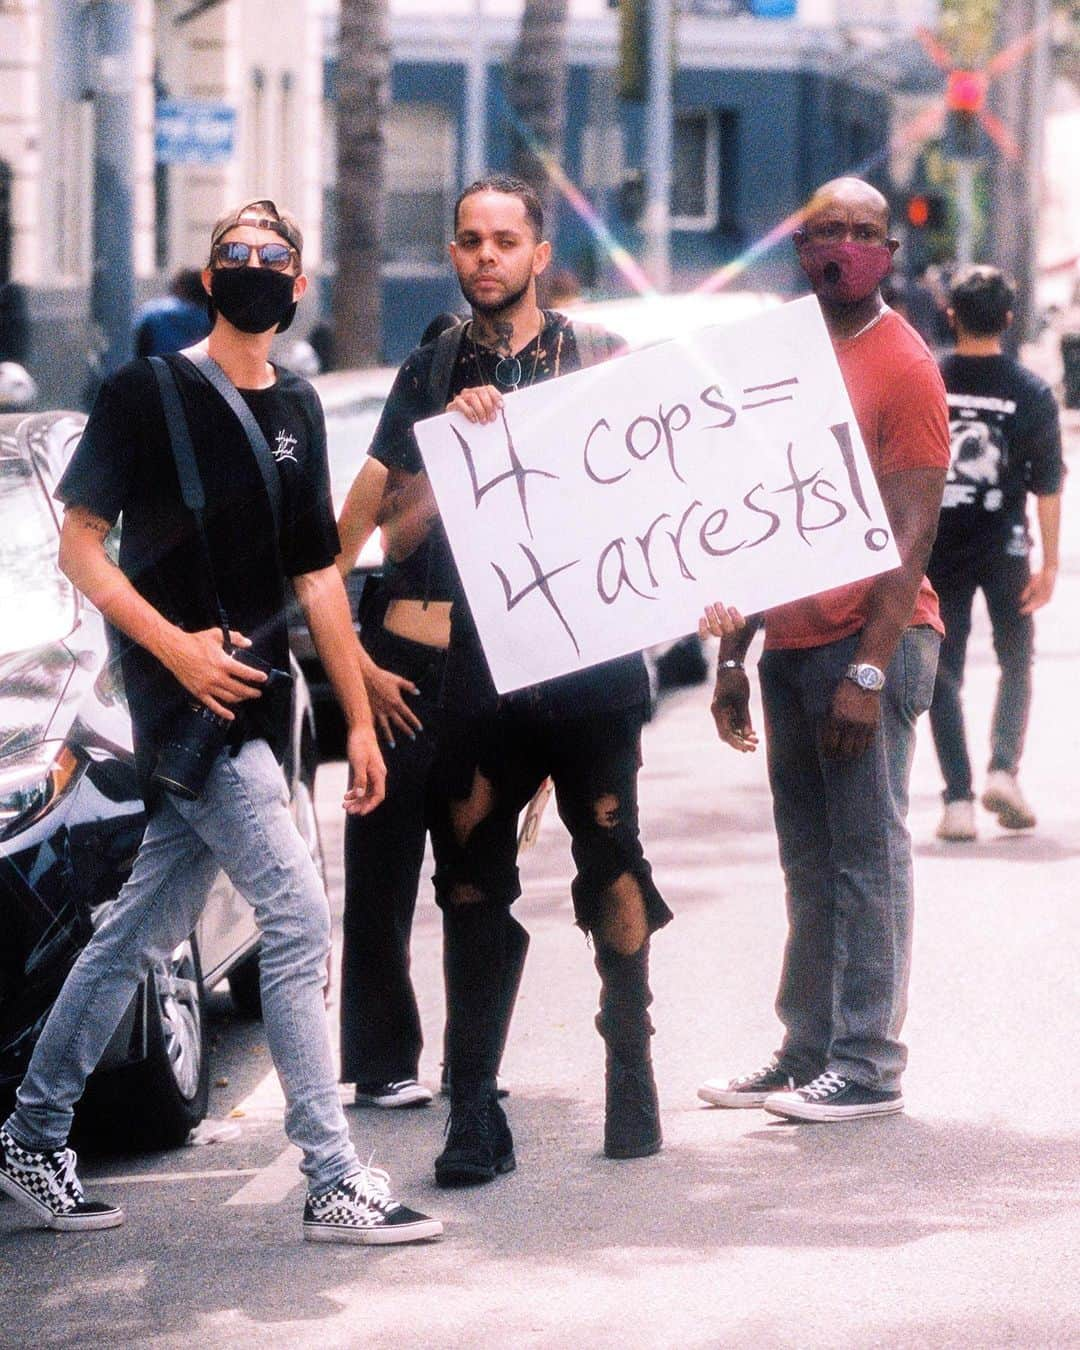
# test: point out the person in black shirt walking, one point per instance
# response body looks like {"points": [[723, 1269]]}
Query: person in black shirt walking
{"points": [[1006, 442], [195, 593], [493, 752]]}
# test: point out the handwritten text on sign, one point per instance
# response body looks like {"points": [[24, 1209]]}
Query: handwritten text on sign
{"points": [[601, 511]]}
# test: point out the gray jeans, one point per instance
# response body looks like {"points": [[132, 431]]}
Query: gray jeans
{"points": [[846, 855], [242, 825]]}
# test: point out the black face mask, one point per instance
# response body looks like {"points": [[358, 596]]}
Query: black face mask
{"points": [[253, 299]]}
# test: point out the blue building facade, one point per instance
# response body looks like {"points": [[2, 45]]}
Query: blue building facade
{"points": [[763, 112]]}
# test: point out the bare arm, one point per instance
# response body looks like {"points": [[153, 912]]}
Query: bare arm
{"points": [[360, 514], [198, 660], [322, 597], [1041, 586], [912, 499]]}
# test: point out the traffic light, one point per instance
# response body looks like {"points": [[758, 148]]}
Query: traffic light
{"points": [[926, 210], [965, 97]]}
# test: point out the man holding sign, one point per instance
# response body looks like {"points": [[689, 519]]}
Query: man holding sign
{"points": [[583, 729], [844, 676]]}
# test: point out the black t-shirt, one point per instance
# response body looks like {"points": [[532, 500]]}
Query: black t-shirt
{"points": [[431, 572], [1005, 439], [123, 464]]}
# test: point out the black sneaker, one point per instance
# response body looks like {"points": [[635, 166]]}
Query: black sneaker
{"points": [[360, 1209], [47, 1185], [479, 1145], [392, 1096], [830, 1097], [750, 1090]]}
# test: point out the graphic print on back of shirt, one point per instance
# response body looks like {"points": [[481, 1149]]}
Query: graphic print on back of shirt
{"points": [[979, 456]]}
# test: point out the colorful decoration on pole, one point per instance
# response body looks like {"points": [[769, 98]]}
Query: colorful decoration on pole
{"points": [[965, 99]]}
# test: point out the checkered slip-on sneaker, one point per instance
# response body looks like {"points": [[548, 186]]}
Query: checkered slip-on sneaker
{"points": [[47, 1185], [360, 1209]]}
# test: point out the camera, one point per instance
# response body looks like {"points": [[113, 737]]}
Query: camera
{"points": [[198, 736]]}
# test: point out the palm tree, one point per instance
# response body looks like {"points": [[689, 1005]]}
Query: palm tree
{"points": [[537, 94], [363, 90]]}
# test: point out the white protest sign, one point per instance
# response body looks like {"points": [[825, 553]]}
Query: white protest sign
{"points": [[601, 511]]}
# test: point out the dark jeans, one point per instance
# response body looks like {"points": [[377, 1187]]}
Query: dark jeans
{"points": [[1001, 580], [846, 855], [381, 1036], [488, 769]]}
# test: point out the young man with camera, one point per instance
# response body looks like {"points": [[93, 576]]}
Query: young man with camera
{"points": [[198, 603]]}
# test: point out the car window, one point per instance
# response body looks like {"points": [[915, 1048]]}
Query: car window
{"points": [[37, 602]]}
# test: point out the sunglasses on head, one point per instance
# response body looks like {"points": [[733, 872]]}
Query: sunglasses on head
{"points": [[234, 253]]}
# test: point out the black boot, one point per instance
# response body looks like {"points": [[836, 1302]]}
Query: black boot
{"points": [[632, 1111], [479, 1145]]}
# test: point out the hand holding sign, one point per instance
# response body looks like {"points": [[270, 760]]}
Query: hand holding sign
{"points": [[600, 513]]}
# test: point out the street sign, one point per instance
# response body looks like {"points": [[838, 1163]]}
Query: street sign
{"points": [[194, 131]]}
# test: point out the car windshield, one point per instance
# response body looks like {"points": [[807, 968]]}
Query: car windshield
{"points": [[37, 602]]}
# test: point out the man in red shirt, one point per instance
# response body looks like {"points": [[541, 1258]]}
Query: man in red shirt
{"points": [[844, 676]]}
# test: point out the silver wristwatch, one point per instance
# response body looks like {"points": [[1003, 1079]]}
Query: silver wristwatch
{"points": [[866, 676]]}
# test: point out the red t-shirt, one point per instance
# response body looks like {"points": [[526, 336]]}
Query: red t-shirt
{"points": [[899, 401]]}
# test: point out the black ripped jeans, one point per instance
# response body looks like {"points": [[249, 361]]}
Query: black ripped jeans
{"points": [[487, 769]]}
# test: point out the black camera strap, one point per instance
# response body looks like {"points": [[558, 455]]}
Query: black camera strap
{"points": [[187, 470], [212, 373]]}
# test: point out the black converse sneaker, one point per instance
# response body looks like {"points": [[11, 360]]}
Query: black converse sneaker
{"points": [[47, 1185], [360, 1209], [390, 1096], [749, 1090], [830, 1097]]}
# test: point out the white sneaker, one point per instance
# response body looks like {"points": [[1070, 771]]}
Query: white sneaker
{"points": [[360, 1209], [957, 822], [391, 1096], [1004, 798]]}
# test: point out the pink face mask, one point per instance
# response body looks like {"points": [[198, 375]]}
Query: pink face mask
{"points": [[847, 271]]}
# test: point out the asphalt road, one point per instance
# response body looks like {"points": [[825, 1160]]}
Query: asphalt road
{"points": [[952, 1225]]}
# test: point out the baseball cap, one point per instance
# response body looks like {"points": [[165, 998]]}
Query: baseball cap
{"points": [[263, 214]]}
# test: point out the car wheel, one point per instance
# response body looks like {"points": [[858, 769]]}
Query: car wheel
{"points": [[158, 1102]]}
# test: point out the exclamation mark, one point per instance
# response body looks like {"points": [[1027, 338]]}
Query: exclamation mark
{"points": [[876, 538]]}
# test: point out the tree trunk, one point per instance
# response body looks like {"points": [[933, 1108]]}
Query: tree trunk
{"points": [[537, 94], [363, 90]]}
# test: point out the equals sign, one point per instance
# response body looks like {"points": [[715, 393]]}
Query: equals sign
{"points": [[767, 388]]}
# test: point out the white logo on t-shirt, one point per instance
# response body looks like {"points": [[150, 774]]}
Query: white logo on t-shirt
{"points": [[284, 447]]}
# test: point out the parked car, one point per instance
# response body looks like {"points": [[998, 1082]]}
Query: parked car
{"points": [[71, 821]]}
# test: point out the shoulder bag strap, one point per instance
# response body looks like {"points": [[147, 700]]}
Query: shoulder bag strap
{"points": [[187, 470], [209, 369]]}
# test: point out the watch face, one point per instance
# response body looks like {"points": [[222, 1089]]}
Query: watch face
{"points": [[869, 678]]}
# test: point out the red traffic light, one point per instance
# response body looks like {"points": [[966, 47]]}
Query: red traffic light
{"points": [[925, 210], [966, 91]]}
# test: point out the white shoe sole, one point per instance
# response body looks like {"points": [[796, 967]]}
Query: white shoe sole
{"points": [[386, 1236], [61, 1223], [418, 1096], [1010, 816], [734, 1101], [808, 1111]]}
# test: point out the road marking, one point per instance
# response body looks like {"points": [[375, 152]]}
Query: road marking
{"points": [[271, 1184], [138, 1178]]}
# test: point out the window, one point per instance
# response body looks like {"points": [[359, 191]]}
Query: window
{"points": [[421, 155], [695, 170]]}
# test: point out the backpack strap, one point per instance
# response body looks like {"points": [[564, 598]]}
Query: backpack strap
{"points": [[447, 347]]}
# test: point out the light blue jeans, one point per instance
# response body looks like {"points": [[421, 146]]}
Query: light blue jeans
{"points": [[846, 855], [240, 824]]}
